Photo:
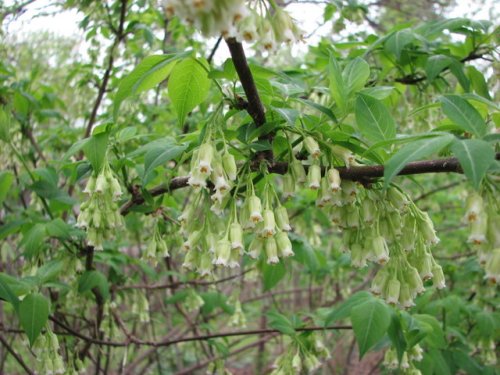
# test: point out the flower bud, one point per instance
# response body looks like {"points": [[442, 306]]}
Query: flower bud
{"points": [[281, 216], [324, 194], [314, 177], [236, 236], [492, 267], [391, 359], [298, 171], [414, 281], [234, 259], [405, 298], [438, 277], [90, 187], [269, 228], [479, 228], [397, 199], [379, 282], [415, 353], [192, 240], [392, 291], [297, 363], [271, 250], [222, 252], [255, 209], [255, 247], [426, 267], [312, 147], [344, 154], [205, 156], [284, 245], [334, 181], [427, 229], [358, 256], [101, 183], [474, 207], [380, 250], [229, 164], [288, 186]]}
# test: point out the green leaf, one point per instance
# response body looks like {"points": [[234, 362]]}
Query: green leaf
{"points": [[414, 151], [370, 321], [6, 179], [435, 65], [398, 41], [158, 156], [93, 279], [475, 157], [373, 119], [396, 334], [5, 125], [7, 294], [95, 150], [337, 85], [325, 110], [188, 86], [272, 274], [440, 365], [33, 314], [435, 335], [355, 74], [280, 322], [149, 73], [34, 239], [344, 310], [463, 114], [478, 82], [486, 324]]}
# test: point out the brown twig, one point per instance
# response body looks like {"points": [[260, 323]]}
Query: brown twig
{"points": [[16, 356], [357, 173], [120, 35]]}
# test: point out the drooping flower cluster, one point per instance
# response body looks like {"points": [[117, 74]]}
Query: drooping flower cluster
{"points": [[304, 353], [140, 306], [99, 214], [407, 366], [483, 217], [381, 226], [46, 349], [249, 22], [215, 228], [157, 248]]}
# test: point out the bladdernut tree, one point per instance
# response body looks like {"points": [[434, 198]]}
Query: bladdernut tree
{"points": [[166, 235]]}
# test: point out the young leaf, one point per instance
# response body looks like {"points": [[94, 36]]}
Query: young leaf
{"points": [[188, 86], [93, 279], [6, 179], [356, 74], [373, 119], [337, 85], [150, 72], [396, 334], [370, 321], [344, 310], [475, 157], [280, 322], [463, 114], [435, 65], [398, 41], [7, 294], [95, 150], [158, 156], [33, 314], [272, 274], [414, 151]]}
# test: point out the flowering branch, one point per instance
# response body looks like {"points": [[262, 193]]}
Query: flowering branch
{"points": [[357, 173]]}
